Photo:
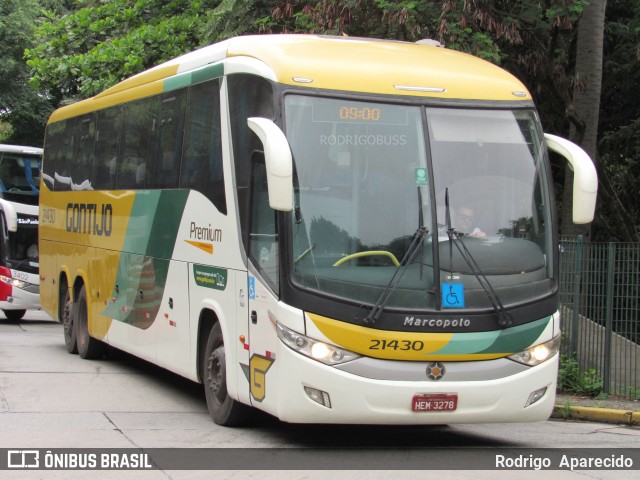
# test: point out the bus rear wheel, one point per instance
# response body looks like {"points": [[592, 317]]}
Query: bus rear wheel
{"points": [[88, 347], [223, 409], [66, 317], [14, 315]]}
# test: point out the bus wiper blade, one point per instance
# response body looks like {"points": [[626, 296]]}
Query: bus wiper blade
{"points": [[414, 247], [22, 262], [505, 319], [408, 257]]}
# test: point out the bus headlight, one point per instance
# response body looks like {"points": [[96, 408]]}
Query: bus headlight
{"points": [[307, 346], [537, 354], [14, 282]]}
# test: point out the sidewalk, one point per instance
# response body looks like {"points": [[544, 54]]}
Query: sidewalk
{"points": [[608, 410]]}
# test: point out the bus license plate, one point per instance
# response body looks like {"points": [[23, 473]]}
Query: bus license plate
{"points": [[434, 402]]}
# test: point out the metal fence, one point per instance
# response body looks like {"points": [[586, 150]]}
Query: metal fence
{"points": [[599, 297]]}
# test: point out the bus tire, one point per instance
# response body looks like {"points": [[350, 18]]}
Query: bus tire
{"points": [[14, 315], [66, 317], [223, 409], [88, 347]]}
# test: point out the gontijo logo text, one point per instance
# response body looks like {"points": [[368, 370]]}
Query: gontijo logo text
{"points": [[91, 218]]}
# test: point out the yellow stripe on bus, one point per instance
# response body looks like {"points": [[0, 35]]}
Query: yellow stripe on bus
{"points": [[96, 103], [382, 343]]}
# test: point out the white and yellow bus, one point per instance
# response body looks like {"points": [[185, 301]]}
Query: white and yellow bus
{"points": [[282, 218], [19, 192]]}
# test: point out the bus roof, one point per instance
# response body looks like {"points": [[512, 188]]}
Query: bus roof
{"points": [[20, 149], [333, 63]]}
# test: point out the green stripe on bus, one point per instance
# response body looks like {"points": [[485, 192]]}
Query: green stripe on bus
{"points": [[166, 221], [191, 78], [518, 338], [144, 261], [208, 72], [177, 82], [513, 339]]}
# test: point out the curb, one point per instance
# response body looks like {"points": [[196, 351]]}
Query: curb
{"points": [[605, 415]]}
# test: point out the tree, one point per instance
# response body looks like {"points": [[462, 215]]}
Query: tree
{"points": [[585, 105], [6, 131], [619, 143], [22, 109], [80, 54], [84, 52]]}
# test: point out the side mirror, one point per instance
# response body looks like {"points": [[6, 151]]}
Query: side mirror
{"points": [[585, 177], [278, 162], [10, 215]]}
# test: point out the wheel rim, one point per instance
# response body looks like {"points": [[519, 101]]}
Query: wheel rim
{"points": [[82, 326], [216, 375], [67, 320]]}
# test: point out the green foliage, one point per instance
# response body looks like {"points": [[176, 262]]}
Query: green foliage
{"points": [[81, 47], [572, 379], [619, 140], [230, 18], [81, 54], [565, 411], [6, 130], [22, 109], [392, 19], [633, 393]]}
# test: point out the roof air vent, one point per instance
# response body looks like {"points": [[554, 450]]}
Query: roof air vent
{"points": [[430, 41]]}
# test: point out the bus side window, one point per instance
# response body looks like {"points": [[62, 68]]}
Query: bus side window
{"points": [[249, 96], [53, 144], [62, 138], [109, 126], [202, 151], [263, 239], [139, 121], [81, 158], [165, 144]]}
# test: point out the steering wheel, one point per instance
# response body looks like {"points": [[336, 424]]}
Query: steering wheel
{"points": [[304, 254], [368, 253]]}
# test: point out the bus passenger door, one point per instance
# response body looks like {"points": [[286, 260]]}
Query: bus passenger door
{"points": [[262, 293]]}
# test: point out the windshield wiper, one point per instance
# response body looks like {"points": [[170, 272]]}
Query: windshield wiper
{"points": [[505, 319], [414, 246]]}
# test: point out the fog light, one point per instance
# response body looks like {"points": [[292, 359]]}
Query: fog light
{"points": [[535, 396], [318, 396]]}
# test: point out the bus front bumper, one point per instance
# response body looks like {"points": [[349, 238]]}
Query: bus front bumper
{"points": [[359, 400], [21, 300]]}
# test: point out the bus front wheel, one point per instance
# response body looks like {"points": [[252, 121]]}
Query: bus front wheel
{"points": [[14, 315], [88, 347], [223, 409]]}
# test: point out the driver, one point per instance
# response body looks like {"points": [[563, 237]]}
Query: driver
{"points": [[463, 222]]}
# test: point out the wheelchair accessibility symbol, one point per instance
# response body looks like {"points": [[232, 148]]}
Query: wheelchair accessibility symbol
{"points": [[252, 288], [452, 295]]}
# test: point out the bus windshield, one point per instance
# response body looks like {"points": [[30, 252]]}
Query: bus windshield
{"points": [[19, 191], [370, 175], [20, 173]]}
